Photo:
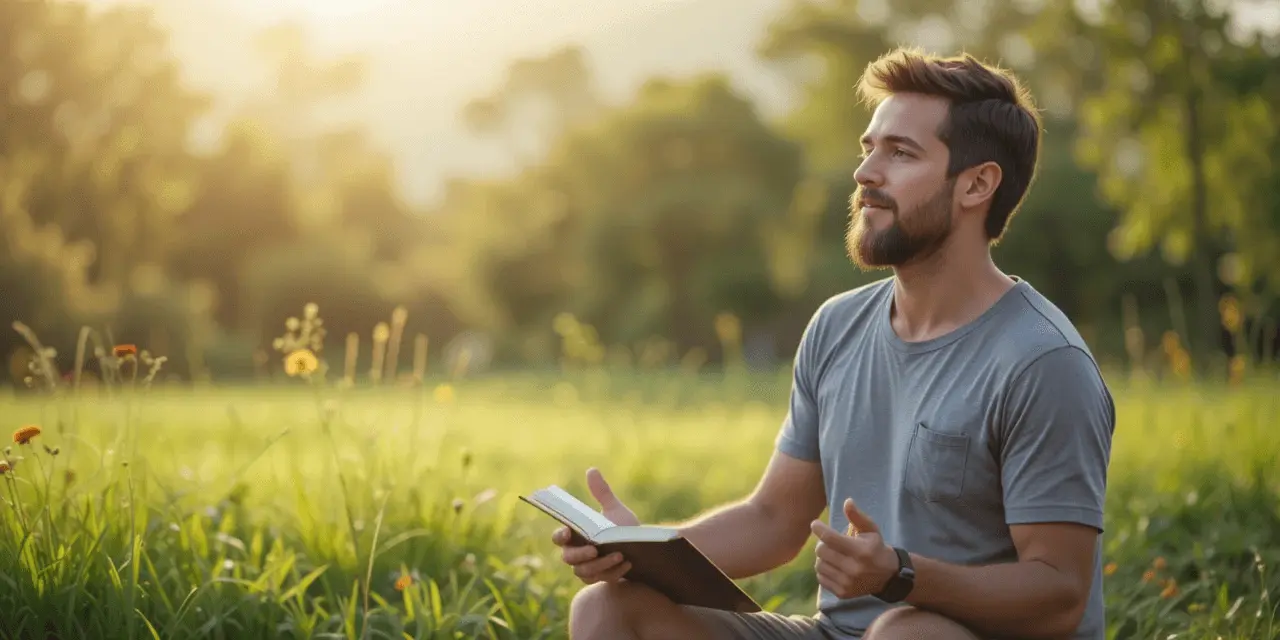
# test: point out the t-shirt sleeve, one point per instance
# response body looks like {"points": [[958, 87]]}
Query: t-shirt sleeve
{"points": [[1059, 421], [799, 435]]}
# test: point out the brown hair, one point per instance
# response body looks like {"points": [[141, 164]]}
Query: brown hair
{"points": [[991, 118]]}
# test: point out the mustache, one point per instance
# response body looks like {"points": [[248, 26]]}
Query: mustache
{"points": [[872, 198]]}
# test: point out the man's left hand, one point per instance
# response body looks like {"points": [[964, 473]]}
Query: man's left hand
{"points": [[855, 564]]}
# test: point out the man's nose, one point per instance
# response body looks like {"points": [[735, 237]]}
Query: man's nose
{"points": [[867, 175]]}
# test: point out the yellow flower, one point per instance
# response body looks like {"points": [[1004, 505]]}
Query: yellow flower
{"points": [[25, 434], [444, 394], [300, 362]]}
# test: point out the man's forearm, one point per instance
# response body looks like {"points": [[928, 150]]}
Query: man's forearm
{"points": [[742, 539], [1024, 599]]}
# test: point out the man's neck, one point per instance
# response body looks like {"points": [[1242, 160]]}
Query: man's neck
{"points": [[945, 292]]}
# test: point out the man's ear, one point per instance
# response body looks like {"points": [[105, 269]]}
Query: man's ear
{"points": [[978, 184]]}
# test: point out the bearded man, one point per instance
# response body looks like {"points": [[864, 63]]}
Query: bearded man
{"points": [[949, 417]]}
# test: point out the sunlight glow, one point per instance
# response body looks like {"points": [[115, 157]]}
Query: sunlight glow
{"points": [[329, 12]]}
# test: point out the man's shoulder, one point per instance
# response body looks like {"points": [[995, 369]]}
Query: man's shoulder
{"points": [[845, 305], [1033, 326]]}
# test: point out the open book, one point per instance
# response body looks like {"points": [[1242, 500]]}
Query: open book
{"points": [[660, 557]]}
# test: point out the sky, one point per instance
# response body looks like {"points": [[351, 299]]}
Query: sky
{"points": [[430, 57]]}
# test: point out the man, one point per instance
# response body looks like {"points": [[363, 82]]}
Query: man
{"points": [[950, 417]]}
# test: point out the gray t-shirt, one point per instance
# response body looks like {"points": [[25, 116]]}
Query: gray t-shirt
{"points": [[946, 442]]}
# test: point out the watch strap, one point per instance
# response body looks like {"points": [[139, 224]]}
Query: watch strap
{"points": [[900, 585]]}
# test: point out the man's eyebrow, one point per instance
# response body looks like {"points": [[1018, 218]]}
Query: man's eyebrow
{"points": [[897, 139]]}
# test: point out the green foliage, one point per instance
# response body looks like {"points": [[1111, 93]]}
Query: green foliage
{"points": [[258, 513]]}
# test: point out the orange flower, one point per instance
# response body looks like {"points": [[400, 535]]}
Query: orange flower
{"points": [[1149, 576], [4, 467], [1109, 569], [1159, 563], [25, 434], [122, 350], [403, 583], [1170, 589]]}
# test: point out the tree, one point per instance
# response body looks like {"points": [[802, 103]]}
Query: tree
{"points": [[1181, 150]]}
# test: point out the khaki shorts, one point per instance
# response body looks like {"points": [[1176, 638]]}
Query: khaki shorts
{"points": [[725, 625]]}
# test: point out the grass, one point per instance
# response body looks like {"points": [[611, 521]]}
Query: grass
{"points": [[297, 512]]}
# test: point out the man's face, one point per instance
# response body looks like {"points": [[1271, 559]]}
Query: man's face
{"points": [[902, 209]]}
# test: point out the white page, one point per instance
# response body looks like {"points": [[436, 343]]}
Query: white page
{"points": [[596, 518]]}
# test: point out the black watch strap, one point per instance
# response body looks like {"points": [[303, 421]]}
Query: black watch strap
{"points": [[900, 585]]}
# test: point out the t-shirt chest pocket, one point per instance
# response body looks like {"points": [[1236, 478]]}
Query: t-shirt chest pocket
{"points": [[936, 465]]}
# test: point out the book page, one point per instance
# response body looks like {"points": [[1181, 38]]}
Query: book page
{"points": [[578, 510]]}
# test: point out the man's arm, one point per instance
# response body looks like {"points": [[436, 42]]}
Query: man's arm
{"points": [[1057, 421], [767, 529], [1042, 595]]}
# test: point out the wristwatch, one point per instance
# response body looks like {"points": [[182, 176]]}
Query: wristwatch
{"points": [[901, 583]]}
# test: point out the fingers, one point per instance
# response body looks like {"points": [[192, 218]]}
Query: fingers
{"points": [[562, 536], [859, 522], [826, 534], [615, 574], [600, 489], [598, 569], [578, 555]]}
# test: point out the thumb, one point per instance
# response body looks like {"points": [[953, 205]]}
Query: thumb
{"points": [[600, 489], [859, 522]]}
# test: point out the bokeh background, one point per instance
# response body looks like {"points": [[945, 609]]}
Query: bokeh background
{"points": [[184, 175], [299, 296]]}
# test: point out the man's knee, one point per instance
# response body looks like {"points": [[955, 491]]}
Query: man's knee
{"points": [[613, 610], [909, 623]]}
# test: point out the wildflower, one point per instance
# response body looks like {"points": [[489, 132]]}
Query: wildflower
{"points": [[124, 350], [1170, 343], [4, 467], [1110, 569], [444, 394], [1170, 589], [1149, 576], [1159, 563], [1195, 607], [25, 434], [301, 362], [403, 582]]}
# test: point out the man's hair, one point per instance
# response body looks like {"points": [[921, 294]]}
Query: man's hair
{"points": [[991, 118]]}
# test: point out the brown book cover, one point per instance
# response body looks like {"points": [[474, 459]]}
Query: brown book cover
{"points": [[660, 558]]}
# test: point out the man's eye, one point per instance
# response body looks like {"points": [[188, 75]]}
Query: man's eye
{"points": [[899, 153]]}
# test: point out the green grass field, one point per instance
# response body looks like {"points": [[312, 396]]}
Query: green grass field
{"points": [[297, 511]]}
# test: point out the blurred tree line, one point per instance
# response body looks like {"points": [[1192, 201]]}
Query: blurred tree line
{"points": [[664, 224]]}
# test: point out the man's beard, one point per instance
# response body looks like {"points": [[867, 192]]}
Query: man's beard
{"points": [[927, 228]]}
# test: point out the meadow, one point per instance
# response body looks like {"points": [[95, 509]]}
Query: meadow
{"points": [[315, 511]]}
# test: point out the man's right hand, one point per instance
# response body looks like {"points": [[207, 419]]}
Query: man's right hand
{"points": [[583, 557]]}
